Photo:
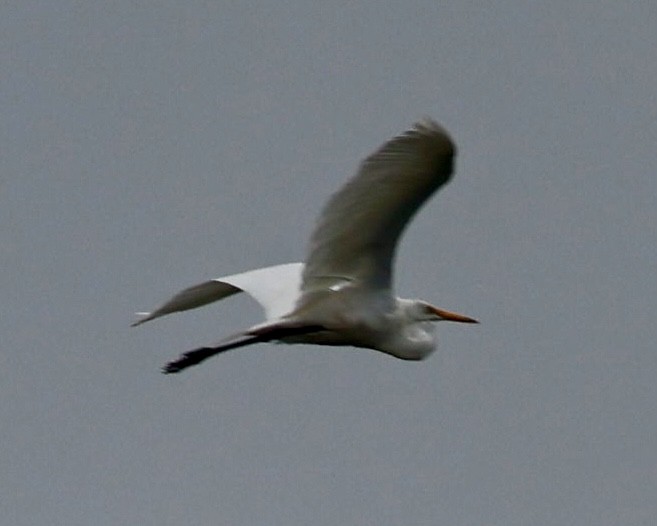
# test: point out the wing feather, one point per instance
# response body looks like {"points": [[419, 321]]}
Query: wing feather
{"points": [[357, 232], [275, 288]]}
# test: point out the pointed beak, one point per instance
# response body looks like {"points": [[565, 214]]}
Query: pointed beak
{"points": [[452, 316]]}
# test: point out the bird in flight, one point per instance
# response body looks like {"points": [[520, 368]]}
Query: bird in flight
{"points": [[343, 294]]}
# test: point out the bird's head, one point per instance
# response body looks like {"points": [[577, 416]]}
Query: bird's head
{"points": [[414, 338]]}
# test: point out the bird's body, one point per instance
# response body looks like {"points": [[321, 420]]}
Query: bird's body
{"points": [[342, 295]]}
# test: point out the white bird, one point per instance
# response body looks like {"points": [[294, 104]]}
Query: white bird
{"points": [[343, 293]]}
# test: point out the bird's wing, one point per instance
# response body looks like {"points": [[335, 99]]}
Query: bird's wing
{"points": [[275, 288], [357, 232]]}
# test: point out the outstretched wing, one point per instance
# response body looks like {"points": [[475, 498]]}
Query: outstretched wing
{"points": [[275, 288], [358, 230]]}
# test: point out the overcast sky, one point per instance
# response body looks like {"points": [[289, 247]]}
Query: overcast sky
{"points": [[148, 146]]}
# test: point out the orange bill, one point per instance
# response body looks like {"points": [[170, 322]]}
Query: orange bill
{"points": [[452, 316]]}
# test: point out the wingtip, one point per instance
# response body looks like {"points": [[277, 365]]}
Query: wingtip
{"points": [[428, 126], [426, 122], [143, 318]]}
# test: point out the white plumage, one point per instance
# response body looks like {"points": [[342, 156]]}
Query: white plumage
{"points": [[343, 293]]}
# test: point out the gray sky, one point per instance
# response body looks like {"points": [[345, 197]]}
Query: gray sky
{"points": [[150, 146]]}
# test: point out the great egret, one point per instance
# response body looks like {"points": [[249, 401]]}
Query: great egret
{"points": [[343, 293]]}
